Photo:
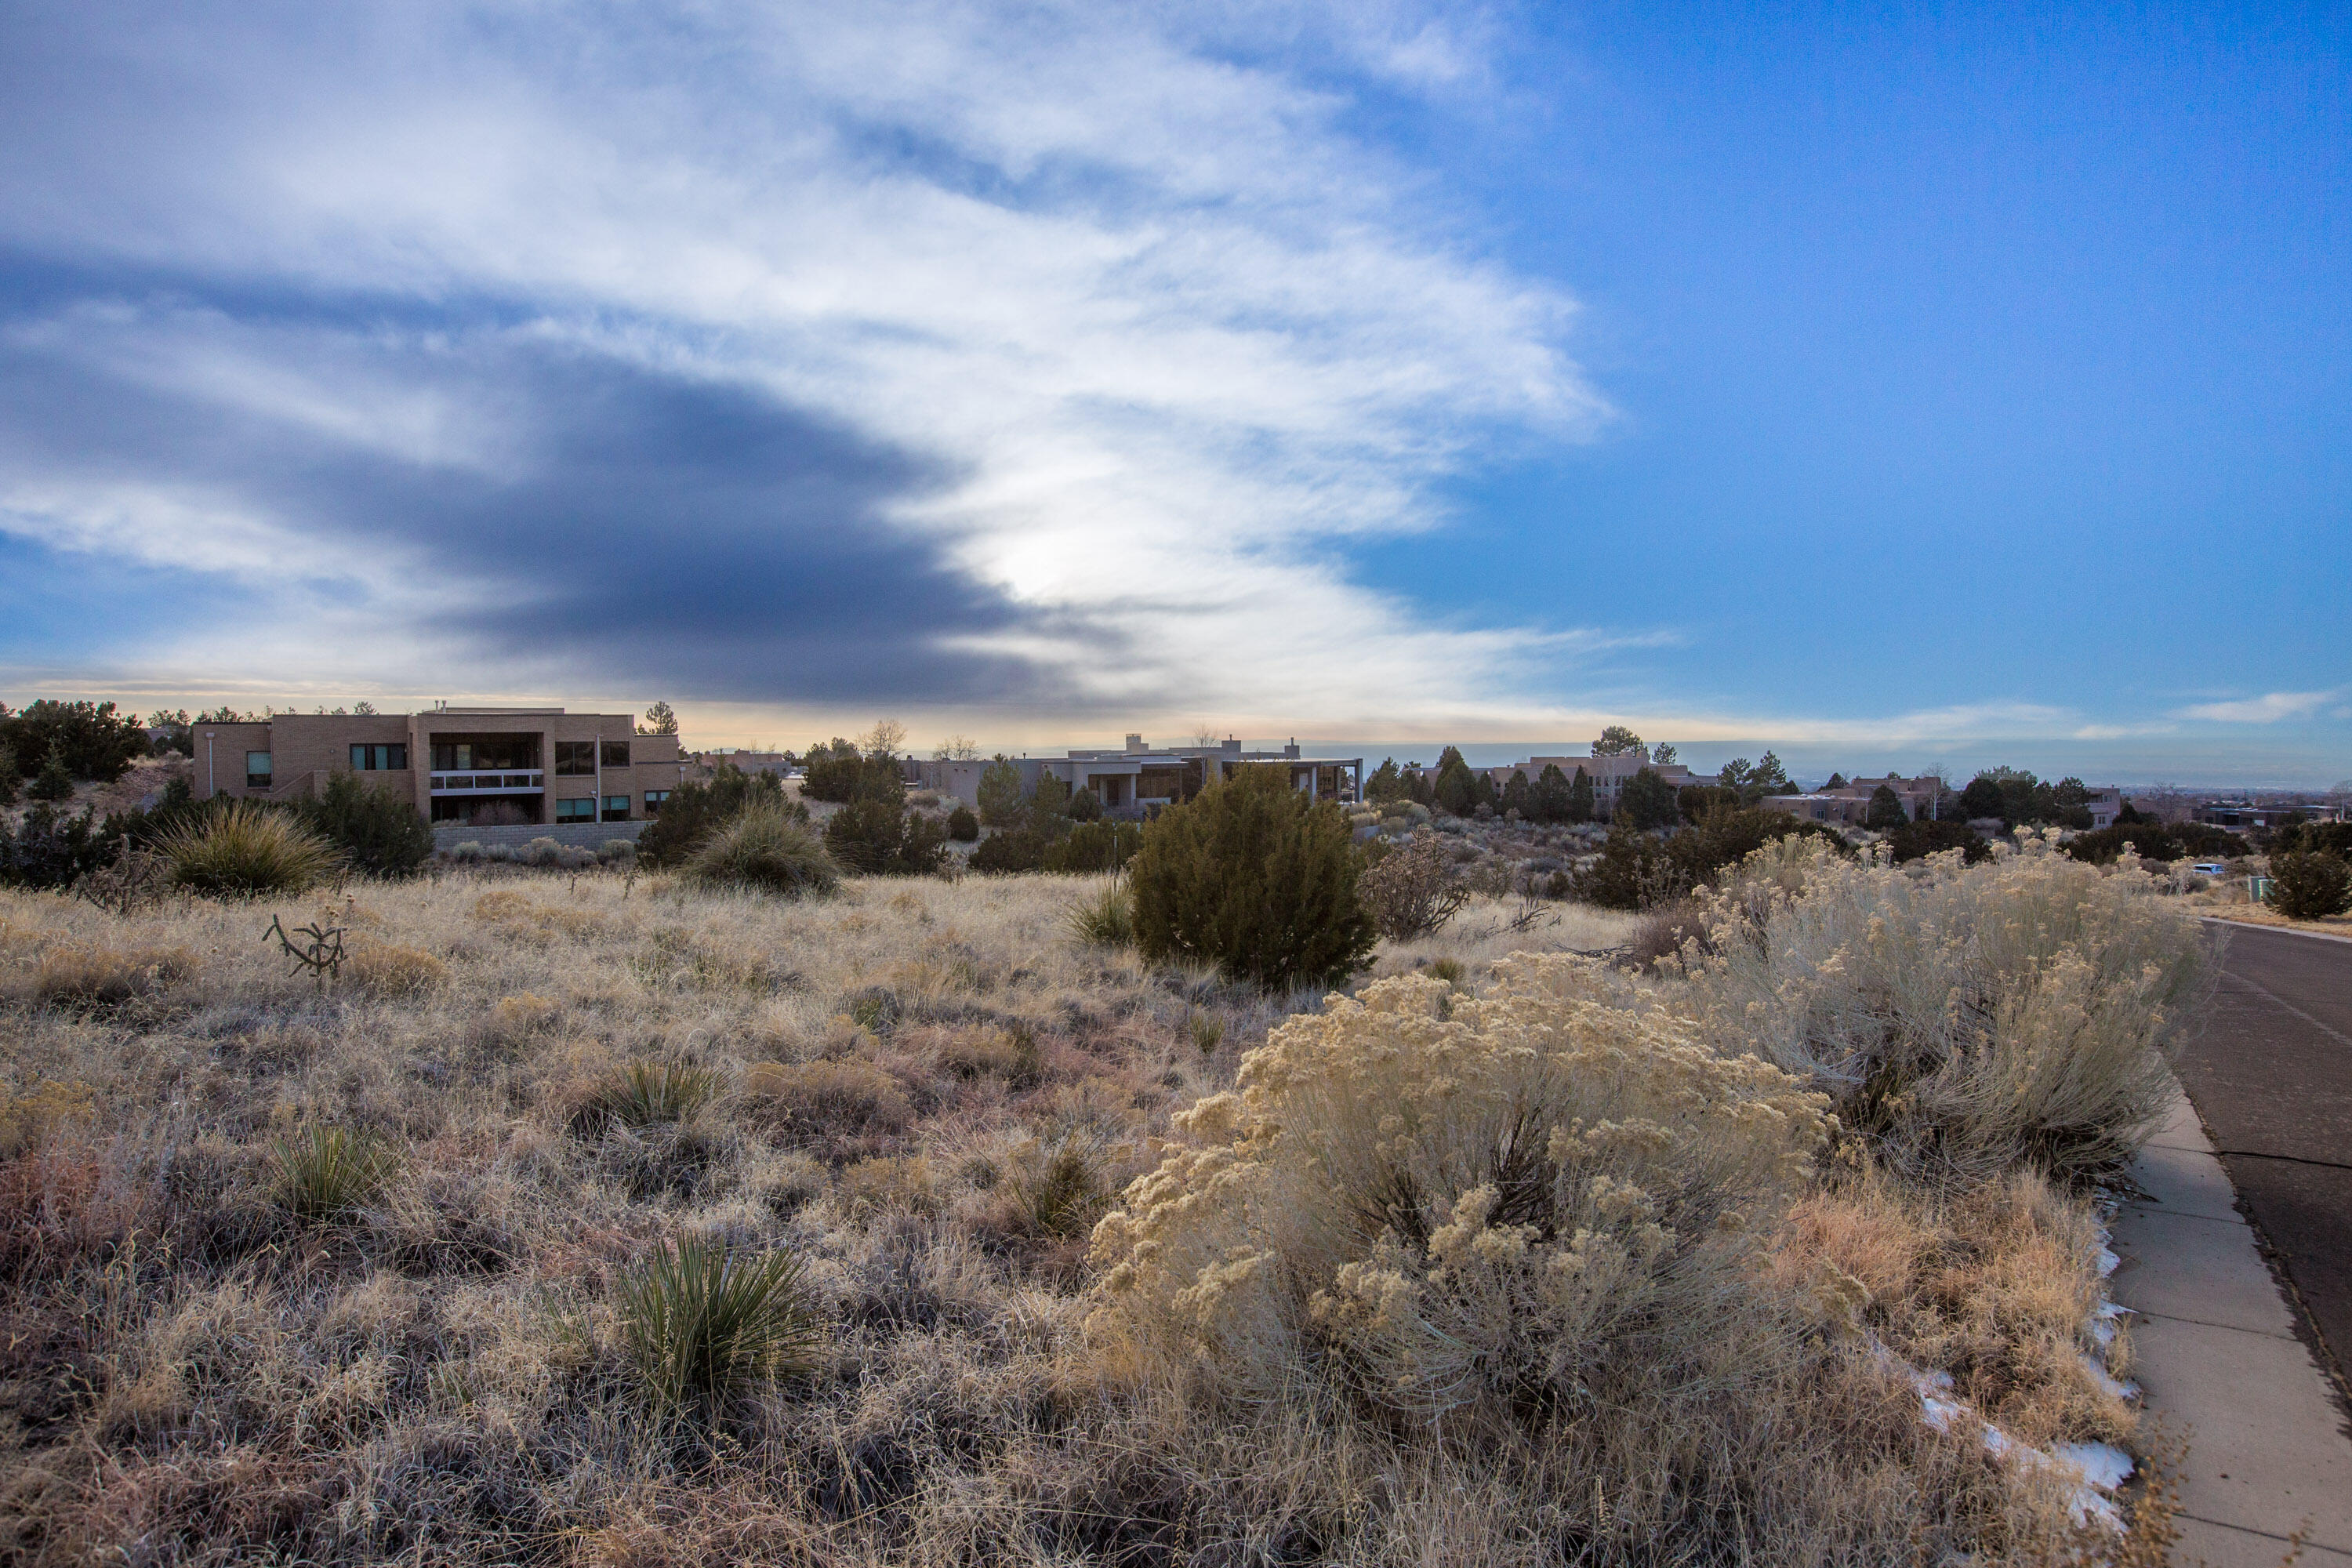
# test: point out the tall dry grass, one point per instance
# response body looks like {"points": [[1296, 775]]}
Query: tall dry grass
{"points": [[923, 1093]]}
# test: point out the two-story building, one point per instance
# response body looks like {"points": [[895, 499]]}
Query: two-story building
{"points": [[1133, 779], [460, 765]]}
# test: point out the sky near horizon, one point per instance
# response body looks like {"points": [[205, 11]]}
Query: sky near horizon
{"points": [[1891, 385]]}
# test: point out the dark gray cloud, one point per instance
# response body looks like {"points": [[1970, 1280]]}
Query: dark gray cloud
{"points": [[648, 527]]}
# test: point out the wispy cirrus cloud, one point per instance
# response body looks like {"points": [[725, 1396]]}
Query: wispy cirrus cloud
{"points": [[2271, 708], [1047, 355]]}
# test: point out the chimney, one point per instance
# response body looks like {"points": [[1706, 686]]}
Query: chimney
{"points": [[1134, 742], [1232, 748], [1291, 750]]}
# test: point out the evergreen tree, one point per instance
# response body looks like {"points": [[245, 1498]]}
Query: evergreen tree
{"points": [[1519, 797], [1458, 789], [1982, 798], [1837, 780], [1553, 797], [1618, 741], [1770, 778], [1885, 812], [10, 779], [1385, 785], [53, 782], [1647, 801], [1579, 797], [660, 719], [1086, 806], [999, 792]]}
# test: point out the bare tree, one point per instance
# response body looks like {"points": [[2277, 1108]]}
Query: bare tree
{"points": [[1205, 735], [888, 735], [957, 749]]}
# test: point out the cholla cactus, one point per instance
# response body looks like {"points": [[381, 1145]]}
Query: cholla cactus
{"points": [[1463, 1204]]}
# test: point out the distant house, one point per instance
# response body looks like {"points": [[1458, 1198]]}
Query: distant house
{"points": [[1134, 779], [1607, 774], [523, 766]]}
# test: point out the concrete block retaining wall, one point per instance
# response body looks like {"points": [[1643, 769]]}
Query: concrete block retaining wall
{"points": [[572, 834]]}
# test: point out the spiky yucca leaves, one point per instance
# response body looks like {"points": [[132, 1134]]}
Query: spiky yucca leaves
{"points": [[245, 850], [649, 1093], [766, 848], [1528, 1202], [324, 1174], [701, 1323], [1970, 1018], [1107, 920]]}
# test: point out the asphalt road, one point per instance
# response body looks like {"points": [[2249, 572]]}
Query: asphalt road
{"points": [[2272, 1078]]}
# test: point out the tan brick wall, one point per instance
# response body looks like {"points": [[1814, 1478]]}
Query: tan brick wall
{"points": [[305, 747]]}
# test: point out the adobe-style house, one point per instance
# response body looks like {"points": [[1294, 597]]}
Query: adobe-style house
{"points": [[1607, 774], [460, 765], [1133, 779]]}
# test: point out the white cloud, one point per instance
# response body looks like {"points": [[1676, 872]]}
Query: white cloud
{"points": [[2268, 709], [1180, 336]]}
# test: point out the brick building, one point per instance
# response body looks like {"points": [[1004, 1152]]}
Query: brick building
{"points": [[531, 766]]}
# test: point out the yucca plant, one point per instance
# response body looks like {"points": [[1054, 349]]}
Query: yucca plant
{"points": [[701, 1323], [647, 1093], [325, 1174], [245, 850], [764, 848], [1107, 920]]}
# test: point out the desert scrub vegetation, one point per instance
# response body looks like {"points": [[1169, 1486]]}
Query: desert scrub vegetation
{"points": [[248, 849], [675, 1221], [2023, 1011]]}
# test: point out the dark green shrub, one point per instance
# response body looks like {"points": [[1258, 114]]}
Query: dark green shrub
{"points": [[1983, 798], [1631, 873], [90, 739], [1647, 801], [1385, 785], [51, 850], [1695, 802], [1553, 798], [1010, 851], [1084, 806], [765, 846], [2156, 841], [1918, 840], [1885, 812], [962, 826], [699, 808], [839, 771], [53, 782], [2309, 887], [12, 778], [1579, 797], [1001, 795], [874, 837], [1095, 846], [1253, 877], [1638, 871], [2307, 837], [378, 829], [1519, 795]]}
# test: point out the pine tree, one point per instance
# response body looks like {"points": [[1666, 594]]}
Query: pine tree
{"points": [[54, 782], [1554, 799], [1519, 797], [1579, 797], [1885, 812]]}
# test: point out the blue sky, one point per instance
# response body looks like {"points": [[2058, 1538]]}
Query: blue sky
{"points": [[1890, 387]]}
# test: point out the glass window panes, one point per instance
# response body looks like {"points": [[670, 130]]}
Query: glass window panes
{"points": [[654, 798], [616, 753], [616, 808], [575, 757], [575, 810]]}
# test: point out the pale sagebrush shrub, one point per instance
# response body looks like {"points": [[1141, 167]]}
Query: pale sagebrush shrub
{"points": [[2025, 1010], [1486, 1206]]}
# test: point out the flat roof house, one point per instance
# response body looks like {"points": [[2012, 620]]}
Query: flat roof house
{"points": [[1133, 779], [1607, 774], [463, 766]]}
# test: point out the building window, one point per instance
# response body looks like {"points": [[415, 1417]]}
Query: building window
{"points": [[575, 757], [256, 770], [378, 759], [576, 810], [616, 753], [654, 799], [616, 808]]}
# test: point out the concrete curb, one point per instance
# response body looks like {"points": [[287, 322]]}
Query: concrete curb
{"points": [[2215, 1348], [2284, 930]]}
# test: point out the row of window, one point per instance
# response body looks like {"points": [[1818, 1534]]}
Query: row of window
{"points": [[379, 759], [617, 808], [577, 757]]}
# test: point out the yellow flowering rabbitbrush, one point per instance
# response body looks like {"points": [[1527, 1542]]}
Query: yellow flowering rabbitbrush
{"points": [[1523, 1202]]}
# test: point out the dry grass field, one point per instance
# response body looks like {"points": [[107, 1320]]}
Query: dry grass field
{"points": [[293, 1272]]}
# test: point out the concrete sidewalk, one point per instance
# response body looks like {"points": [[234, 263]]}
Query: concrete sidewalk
{"points": [[2217, 1353]]}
